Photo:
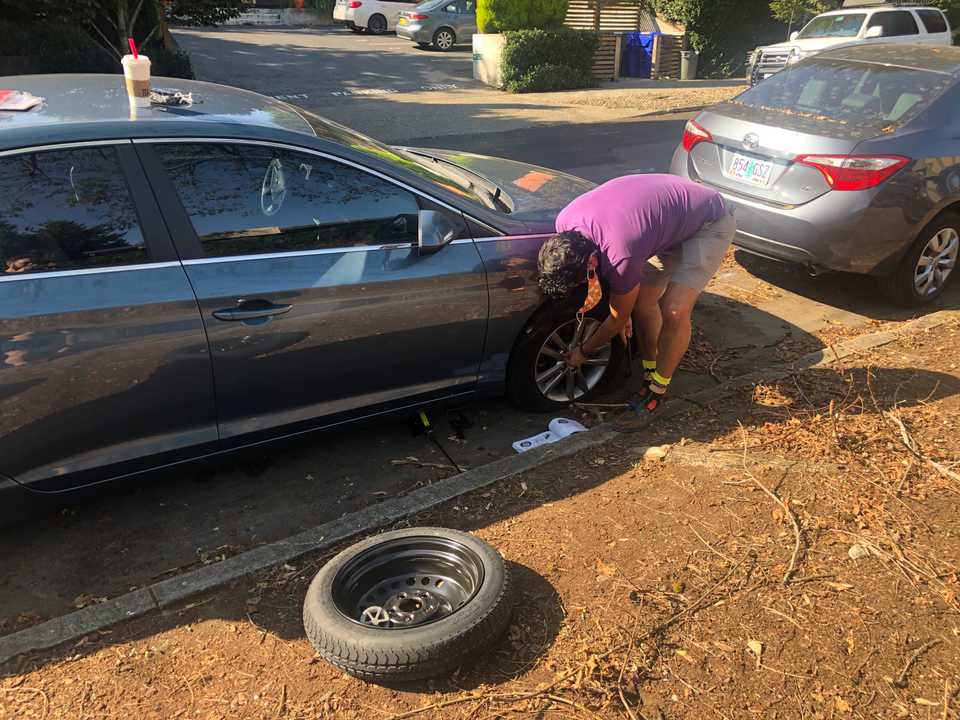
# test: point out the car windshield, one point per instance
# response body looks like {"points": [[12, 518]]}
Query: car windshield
{"points": [[450, 177], [832, 96], [826, 26], [430, 4]]}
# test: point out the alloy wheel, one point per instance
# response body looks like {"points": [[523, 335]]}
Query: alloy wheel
{"points": [[444, 39], [377, 25], [555, 379], [937, 261]]}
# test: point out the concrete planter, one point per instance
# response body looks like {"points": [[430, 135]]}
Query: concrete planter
{"points": [[487, 55]]}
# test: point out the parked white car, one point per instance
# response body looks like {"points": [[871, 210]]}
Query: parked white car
{"points": [[374, 16], [859, 22]]}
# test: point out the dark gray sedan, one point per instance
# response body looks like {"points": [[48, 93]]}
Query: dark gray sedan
{"points": [[847, 161], [185, 281]]}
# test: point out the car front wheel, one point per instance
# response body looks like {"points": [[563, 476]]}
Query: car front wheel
{"points": [[539, 379], [928, 267]]}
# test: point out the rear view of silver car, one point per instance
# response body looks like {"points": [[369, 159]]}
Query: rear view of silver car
{"points": [[848, 161], [439, 23]]}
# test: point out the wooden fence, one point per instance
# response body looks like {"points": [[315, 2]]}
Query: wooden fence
{"points": [[615, 19], [666, 56]]}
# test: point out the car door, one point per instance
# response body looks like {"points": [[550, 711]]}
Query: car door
{"points": [[104, 364], [316, 299], [467, 20]]}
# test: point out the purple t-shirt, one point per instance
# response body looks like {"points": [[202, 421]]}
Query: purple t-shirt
{"points": [[634, 217]]}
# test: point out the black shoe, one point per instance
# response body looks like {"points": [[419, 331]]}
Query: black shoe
{"points": [[648, 401]]}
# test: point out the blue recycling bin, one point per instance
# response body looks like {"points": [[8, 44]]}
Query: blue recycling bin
{"points": [[636, 55]]}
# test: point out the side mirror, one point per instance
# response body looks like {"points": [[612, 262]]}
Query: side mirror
{"points": [[874, 31], [794, 35], [437, 230]]}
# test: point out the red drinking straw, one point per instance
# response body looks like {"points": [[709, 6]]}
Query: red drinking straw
{"points": [[133, 49]]}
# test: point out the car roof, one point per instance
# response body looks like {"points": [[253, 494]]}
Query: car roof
{"points": [[867, 7], [99, 104], [943, 59]]}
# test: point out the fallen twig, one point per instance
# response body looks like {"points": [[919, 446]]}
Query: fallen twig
{"points": [[798, 537], [901, 681], [914, 448]]}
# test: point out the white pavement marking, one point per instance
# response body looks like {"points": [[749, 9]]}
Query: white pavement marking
{"points": [[346, 92]]}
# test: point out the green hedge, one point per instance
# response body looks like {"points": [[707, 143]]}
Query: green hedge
{"points": [[495, 16], [543, 60]]}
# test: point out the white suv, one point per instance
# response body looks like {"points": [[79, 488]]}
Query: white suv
{"points": [[857, 23], [375, 16]]}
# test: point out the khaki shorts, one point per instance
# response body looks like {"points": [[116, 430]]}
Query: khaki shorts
{"points": [[695, 261]]}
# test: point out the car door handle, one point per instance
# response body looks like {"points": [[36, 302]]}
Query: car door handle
{"points": [[251, 313]]}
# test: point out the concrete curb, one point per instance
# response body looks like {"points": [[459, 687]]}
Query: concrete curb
{"points": [[173, 590]]}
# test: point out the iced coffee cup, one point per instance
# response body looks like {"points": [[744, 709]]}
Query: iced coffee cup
{"points": [[136, 72]]}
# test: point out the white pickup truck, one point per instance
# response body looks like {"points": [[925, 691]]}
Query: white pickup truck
{"points": [[858, 22]]}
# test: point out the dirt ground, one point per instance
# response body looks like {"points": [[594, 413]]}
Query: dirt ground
{"points": [[794, 555]]}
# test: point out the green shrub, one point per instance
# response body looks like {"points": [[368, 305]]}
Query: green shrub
{"points": [[540, 60], [544, 78], [547, 14], [495, 16], [170, 63]]}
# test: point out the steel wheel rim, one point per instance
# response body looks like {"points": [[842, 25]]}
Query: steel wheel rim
{"points": [[555, 379], [444, 40], [407, 582], [937, 261]]}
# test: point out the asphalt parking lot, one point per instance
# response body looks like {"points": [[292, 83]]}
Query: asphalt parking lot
{"points": [[133, 535], [320, 63]]}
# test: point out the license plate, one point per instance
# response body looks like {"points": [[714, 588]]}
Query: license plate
{"points": [[750, 170], [402, 21]]}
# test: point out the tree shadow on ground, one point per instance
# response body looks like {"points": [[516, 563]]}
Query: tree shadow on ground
{"points": [[279, 593], [855, 293]]}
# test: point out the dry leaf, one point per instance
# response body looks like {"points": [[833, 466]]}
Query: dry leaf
{"points": [[608, 569], [756, 647], [842, 705], [839, 587]]}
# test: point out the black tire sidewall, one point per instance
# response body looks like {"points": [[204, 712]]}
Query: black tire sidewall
{"points": [[521, 387], [899, 286], [377, 30], [320, 606]]}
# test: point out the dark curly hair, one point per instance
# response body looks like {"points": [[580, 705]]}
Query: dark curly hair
{"points": [[563, 263]]}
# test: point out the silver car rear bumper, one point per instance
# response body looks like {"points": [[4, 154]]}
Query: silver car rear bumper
{"points": [[862, 232]]}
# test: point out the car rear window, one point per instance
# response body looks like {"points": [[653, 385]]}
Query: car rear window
{"points": [[825, 94], [933, 21]]}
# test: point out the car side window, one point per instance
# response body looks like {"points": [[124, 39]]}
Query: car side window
{"points": [[248, 199], [933, 21], [66, 209], [451, 7], [896, 22]]}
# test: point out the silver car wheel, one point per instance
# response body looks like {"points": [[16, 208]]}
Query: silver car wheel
{"points": [[555, 379], [444, 40], [937, 261]]}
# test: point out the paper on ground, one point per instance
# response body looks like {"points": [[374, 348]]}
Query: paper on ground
{"points": [[559, 429]]}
